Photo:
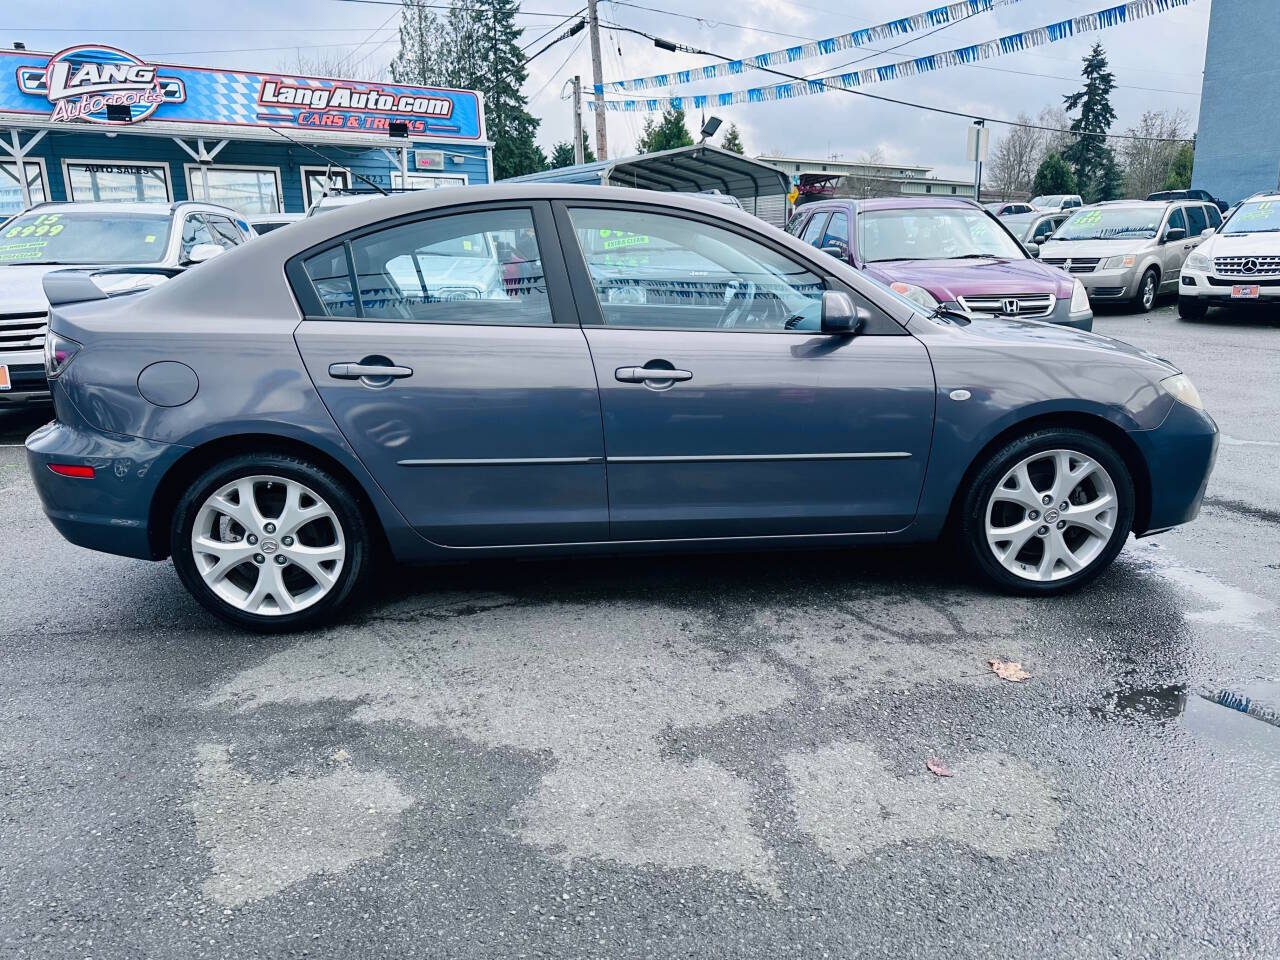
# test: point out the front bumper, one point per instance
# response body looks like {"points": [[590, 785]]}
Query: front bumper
{"points": [[111, 511], [1060, 315], [1110, 286], [1180, 454], [1196, 285], [26, 376]]}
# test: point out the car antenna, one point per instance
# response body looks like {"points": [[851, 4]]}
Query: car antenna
{"points": [[332, 163]]}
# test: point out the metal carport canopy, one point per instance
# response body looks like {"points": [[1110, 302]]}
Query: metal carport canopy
{"points": [[694, 169]]}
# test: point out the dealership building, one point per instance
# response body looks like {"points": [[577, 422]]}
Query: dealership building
{"points": [[97, 123]]}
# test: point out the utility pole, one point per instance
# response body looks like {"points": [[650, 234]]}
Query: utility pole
{"points": [[577, 120], [593, 24]]}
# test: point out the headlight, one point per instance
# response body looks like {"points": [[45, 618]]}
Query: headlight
{"points": [[59, 351], [1079, 298], [1115, 263], [1198, 261], [917, 295], [1183, 390]]}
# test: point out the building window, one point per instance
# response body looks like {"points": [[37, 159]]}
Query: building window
{"points": [[247, 190], [11, 186], [928, 188], [116, 181], [320, 181], [426, 181], [953, 189]]}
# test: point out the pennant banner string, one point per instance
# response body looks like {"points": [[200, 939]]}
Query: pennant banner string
{"points": [[1105, 19]]}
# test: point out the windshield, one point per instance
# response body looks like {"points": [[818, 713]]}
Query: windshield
{"points": [[1258, 216], [932, 234], [84, 238], [1112, 223], [1051, 200]]}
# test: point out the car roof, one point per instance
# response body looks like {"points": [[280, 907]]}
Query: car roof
{"points": [[894, 203], [162, 208]]}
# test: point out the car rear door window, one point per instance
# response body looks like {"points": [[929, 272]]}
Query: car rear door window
{"points": [[664, 272], [473, 268], [1197, 220], [813, 232], [330, 277]]}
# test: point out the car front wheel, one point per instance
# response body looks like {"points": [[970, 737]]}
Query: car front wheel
{"points": [[1189, 308], [270, 542], [1048, 512], [1148, 290]]}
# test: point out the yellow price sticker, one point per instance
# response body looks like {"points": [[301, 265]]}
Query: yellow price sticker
{"points": [[149, 238]]}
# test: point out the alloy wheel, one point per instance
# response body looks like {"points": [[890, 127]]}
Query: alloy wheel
{"points": [[1052, 515], [1149, 291], [268, 545]]}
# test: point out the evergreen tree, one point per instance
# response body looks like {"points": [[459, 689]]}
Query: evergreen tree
{"points": [[667, 134], [732, 139], [476, 47], [1053, 176], [1180, 171], [562, 153], [1091, 159]]}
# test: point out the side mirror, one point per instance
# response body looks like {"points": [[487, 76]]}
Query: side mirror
{"points": [[1032, 248], [1208, 231], [839, 315], [837, 250], [1175, 233], [202, 252]]}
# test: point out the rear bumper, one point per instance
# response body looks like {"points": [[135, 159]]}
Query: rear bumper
{"points": [[1180, 455], [111, 511]]}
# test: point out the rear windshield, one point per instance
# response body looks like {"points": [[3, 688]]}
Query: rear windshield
{"points": [[1112, 223], [84, 238], [1258, 216]]}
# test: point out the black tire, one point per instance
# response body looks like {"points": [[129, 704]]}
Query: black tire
{"points": [[971, 528], [1192, 308], [1148, 291], [354, 527]]}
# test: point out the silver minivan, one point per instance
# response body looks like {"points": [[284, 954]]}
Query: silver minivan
{"points": [[1130, 251]]}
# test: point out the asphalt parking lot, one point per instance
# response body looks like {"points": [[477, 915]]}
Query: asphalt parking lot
{"points": [[709, 757]]}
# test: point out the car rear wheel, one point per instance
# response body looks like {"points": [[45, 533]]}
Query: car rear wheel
{"points": [[1148, 290], [1048, 512], [1189, 308], [270, 542]]}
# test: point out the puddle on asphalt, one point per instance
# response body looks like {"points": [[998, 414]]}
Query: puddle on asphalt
{"points": [[1165, 702]]}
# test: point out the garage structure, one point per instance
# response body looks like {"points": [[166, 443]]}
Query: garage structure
{"points": [[93, 122], [760, 188]]}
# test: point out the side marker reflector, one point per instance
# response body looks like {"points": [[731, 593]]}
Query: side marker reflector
{"points": [[72, 470]]}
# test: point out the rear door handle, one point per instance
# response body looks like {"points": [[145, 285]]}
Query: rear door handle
{"points": [[357, 371], [643, 374]]}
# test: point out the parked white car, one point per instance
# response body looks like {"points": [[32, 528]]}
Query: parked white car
{"points": [[1057, 201], [1237, 265]]}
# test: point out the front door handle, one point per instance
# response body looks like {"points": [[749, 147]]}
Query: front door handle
{"points": [[644, 374], [358, 371]]}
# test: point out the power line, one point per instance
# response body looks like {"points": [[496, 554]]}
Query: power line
{"points": [[576, 47], [576, 13], [449, 6], [680, 47]]}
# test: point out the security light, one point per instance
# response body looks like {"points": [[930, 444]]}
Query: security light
{"points": [[710, 127], [398, 128]]}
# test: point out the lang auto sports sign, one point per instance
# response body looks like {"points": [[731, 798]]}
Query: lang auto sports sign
{"points": [[96, 84]]}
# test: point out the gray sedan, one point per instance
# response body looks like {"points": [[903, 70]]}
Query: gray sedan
{"points": [[638, 372]]}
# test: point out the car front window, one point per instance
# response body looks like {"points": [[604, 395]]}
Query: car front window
{"points": [[1258, 216], [1111, 223], [84, 238], [932, 234]]}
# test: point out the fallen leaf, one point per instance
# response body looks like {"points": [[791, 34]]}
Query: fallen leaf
{"points": [[341, 756], [1009, 670], [939, 768]]}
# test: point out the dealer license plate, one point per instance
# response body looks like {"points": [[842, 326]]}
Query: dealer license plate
{"points": [[5, 382], [1244, 291]]}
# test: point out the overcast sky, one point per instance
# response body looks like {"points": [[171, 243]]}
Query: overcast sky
{"points": [[1158, 62]]}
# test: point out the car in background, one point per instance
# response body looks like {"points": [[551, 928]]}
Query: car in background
{"points": [[1202, 195], [287, 435], [1009, 208], [1057, 201], [264, 223], [944, 252], [1130, 251], [1034, 228], [1238, 265], [150, 241]]}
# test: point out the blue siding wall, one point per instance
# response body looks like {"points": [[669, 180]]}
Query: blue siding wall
{"points": [[468, 159], [1238, 146]]}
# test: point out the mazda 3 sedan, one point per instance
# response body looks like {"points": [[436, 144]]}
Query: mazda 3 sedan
{"points": [[533, 370]]}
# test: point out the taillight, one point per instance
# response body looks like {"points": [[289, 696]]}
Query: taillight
{"points": [[58, 352], [72, 470]]}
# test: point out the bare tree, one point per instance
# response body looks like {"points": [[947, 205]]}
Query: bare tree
{"points": [[1014, 160], [342, 63], [1147, 162], [1058, 135], [870, 183]]}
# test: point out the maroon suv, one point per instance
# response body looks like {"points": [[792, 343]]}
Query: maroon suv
{"points": [[944, 252]]}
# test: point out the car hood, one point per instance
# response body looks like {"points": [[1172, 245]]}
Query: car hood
{"points": [[1059, 249], [1242, 245], [947, 279], [1035, 333], [21, 290]]}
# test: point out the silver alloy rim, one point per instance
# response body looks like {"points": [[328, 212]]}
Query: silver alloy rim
{"points": [[1149, 291], [268, 545], [1052, 515]]}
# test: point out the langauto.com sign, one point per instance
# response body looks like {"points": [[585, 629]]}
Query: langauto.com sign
{"points": [[94, 83]]}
